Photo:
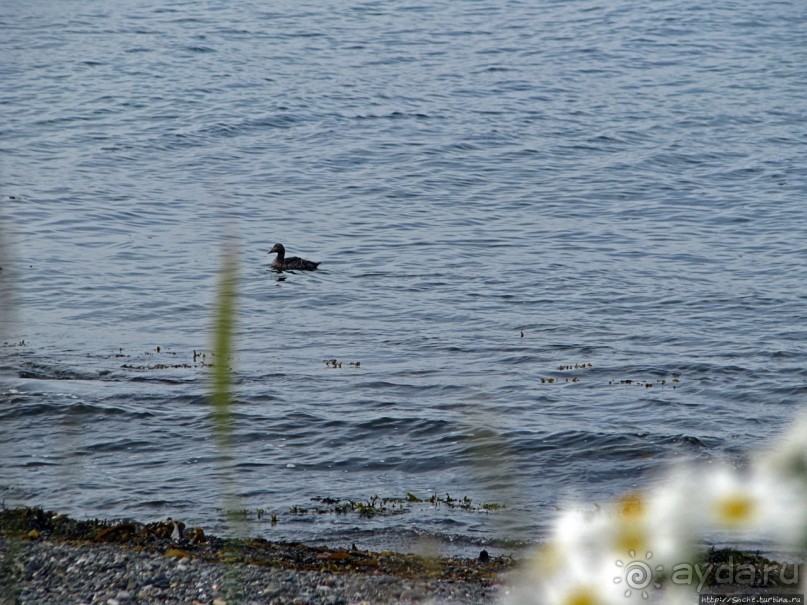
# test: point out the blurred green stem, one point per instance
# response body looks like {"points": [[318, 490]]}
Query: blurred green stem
{"points": [[221, 399], [222, 349]]}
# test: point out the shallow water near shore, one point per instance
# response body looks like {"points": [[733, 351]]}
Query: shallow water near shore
{"points": [[565, 245]]}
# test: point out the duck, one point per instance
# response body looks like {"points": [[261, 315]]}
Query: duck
{"points": [[294, 263]]}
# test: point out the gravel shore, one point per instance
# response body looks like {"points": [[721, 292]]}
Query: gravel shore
{"points": [[45, 572], [48, 558]]}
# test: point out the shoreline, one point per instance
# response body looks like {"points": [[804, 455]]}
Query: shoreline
{"points": [[52, 558], [46, 557]]}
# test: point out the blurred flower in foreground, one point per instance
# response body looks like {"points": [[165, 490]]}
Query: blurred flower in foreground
{"points": [[647, 542]]}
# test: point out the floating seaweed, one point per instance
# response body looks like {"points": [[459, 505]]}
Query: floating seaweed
{"points": [[335, 363], [387, 506], [199, 359], [577, 366], [647, 384], [558, 380], [566, 368], [157, 366]]}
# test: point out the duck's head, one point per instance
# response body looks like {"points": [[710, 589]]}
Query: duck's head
{"points": [[277, 248]]}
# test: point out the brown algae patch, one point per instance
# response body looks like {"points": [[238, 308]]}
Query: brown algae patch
{"points": [[171, 538]]}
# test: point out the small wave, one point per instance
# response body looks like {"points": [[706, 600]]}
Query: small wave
{"points": [[36, 371]]}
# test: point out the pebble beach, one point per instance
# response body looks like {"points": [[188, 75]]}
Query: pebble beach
{"points": [[47, 558], [60, 574]]}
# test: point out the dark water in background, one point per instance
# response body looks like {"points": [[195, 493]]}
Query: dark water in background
{"points": [[626, 184]]}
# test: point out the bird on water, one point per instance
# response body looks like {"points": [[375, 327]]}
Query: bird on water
{"points": [[293, 263]]}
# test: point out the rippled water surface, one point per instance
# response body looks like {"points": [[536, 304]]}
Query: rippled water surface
{"points": [[496, 190]]}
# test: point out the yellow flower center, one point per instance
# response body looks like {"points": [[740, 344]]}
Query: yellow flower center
{"points": [[631, 505], [631, 537], [735, 509], [581, 596]]}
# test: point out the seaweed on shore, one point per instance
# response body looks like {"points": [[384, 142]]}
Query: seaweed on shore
{"points": [[170, 539], [724, 566], [732, 566]]}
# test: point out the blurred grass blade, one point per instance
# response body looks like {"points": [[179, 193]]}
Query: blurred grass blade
{"points": [[8, 323], [222, 351], [222, 402], [12, 562]]}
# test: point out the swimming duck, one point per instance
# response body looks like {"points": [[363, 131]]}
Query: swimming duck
{"points": [[294, 263]]}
